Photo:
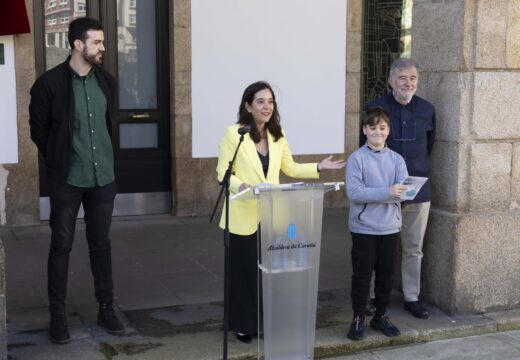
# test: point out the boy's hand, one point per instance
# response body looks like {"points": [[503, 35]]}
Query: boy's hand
{"points": [[397, 189]]}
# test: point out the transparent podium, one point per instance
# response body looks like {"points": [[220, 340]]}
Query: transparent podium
{"points": [[289, 259]]}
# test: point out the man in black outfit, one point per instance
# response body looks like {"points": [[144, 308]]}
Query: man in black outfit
{"points": [[70, 118]]}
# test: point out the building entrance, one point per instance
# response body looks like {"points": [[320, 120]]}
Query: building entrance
{"points": [[136, 42]]}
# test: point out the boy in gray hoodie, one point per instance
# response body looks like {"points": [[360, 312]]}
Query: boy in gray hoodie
{"points": [[374, 179]]}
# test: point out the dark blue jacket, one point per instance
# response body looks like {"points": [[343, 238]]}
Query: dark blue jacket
{"points": [[412, 134]]}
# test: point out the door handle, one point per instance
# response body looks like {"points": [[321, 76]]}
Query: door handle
{"points": [[140, 116]]}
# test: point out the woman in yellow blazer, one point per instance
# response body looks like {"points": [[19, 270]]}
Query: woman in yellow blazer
{"points": [[262, 155]]}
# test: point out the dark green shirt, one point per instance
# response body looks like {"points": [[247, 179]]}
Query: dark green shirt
{"points": [[92, 158]]}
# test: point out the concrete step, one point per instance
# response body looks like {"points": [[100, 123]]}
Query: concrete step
{"points": [[189, 332]]}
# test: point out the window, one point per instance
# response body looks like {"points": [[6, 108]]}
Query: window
{"points": [[51, 39], [52, 3], [132, 4], [82, 6], [52, 21], [64, 2], [131, 19], [64, 20]]}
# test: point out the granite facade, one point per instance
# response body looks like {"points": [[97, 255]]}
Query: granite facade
{"points": [[471, 260]]}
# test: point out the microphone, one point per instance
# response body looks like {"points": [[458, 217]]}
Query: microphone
{"points": [[244, 129]]}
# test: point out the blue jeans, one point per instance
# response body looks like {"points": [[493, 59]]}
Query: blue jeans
{"points": [[98, 204]]}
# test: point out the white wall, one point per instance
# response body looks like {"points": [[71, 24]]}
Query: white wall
{"points": [[8, 126], [298, 46]]}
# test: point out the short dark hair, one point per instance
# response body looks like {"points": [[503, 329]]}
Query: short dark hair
{"points": [[78, 29], [245, 117], [375, 115]]}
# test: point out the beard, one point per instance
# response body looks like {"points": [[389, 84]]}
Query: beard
{"points": [[92, 58]]}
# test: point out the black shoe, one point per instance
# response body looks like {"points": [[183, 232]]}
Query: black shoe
{"points": [[370, 309], [245, 338], [416, 309], [357, 328], [383, 324], [58, 330], [107, 319]]}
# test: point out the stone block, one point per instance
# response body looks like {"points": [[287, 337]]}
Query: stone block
{"points": [[515, 177], [355, 15], [209, 187], [490, 176], [491, 30], [438, 281], [182, 13], [352, 125], [3, 311], [353, 52], [22, 193], [470, 262], [486, 270], [182, 78], [494, 114], [182, 137], [22, 190], [182, 49], [182, 99], [442, 52], [448, 176], [352, 94], [187, 186], [513, 36], [450, 93]]}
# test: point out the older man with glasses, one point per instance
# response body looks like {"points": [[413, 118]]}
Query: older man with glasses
{"points": [[412, 135]]}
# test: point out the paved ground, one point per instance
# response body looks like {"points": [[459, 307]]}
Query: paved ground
{"points": [[168, 274], [503, 345]]}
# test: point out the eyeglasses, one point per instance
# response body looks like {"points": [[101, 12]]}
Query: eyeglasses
{"points": [[408, 133]]}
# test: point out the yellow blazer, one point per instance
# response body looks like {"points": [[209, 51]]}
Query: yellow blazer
{"points": [[243, 219]]}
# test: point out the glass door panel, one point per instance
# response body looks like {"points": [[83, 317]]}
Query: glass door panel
{"points": [[57, 15], [142, 121], [136, 54]]}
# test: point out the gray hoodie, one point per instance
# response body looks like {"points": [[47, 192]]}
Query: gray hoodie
{"points": [[369, 175]]}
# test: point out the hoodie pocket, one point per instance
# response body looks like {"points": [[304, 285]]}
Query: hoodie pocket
{"points": [[397, 212], [361, 212]]}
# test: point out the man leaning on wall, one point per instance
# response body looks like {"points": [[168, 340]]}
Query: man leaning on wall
{"points": [[70, 112], [412, 134]]}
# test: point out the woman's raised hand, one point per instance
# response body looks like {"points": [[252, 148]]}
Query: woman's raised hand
{"points": [[328, 163]]}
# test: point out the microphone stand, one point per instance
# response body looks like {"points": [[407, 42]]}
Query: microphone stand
{"points": [[225, 189]]}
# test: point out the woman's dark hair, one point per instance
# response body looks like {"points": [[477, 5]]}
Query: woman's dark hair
{"points": [[78, 29], [246, 118], [375, 115]]}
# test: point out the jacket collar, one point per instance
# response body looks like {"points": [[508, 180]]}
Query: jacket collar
{"points": [[411, 106], [250, 149]]}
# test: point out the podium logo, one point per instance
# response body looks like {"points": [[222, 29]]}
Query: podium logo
{"points": [[292, 231]]}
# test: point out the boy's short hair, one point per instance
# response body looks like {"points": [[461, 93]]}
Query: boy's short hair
{"points": [[375, 115], [78, 29]]}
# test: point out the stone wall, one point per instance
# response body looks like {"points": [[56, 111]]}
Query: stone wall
{"points": [[19, 187], [469, 57], [194, 180]]}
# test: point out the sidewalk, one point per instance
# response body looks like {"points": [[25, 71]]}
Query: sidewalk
{"points": [[168, 276], [502, 345]]}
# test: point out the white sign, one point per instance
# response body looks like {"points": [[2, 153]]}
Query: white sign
{"points": [[298, 46], [8, 125]]}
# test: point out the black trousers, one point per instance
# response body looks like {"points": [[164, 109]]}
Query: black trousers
{"points": [[243, 283], [372, 253], [98, 203]]}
